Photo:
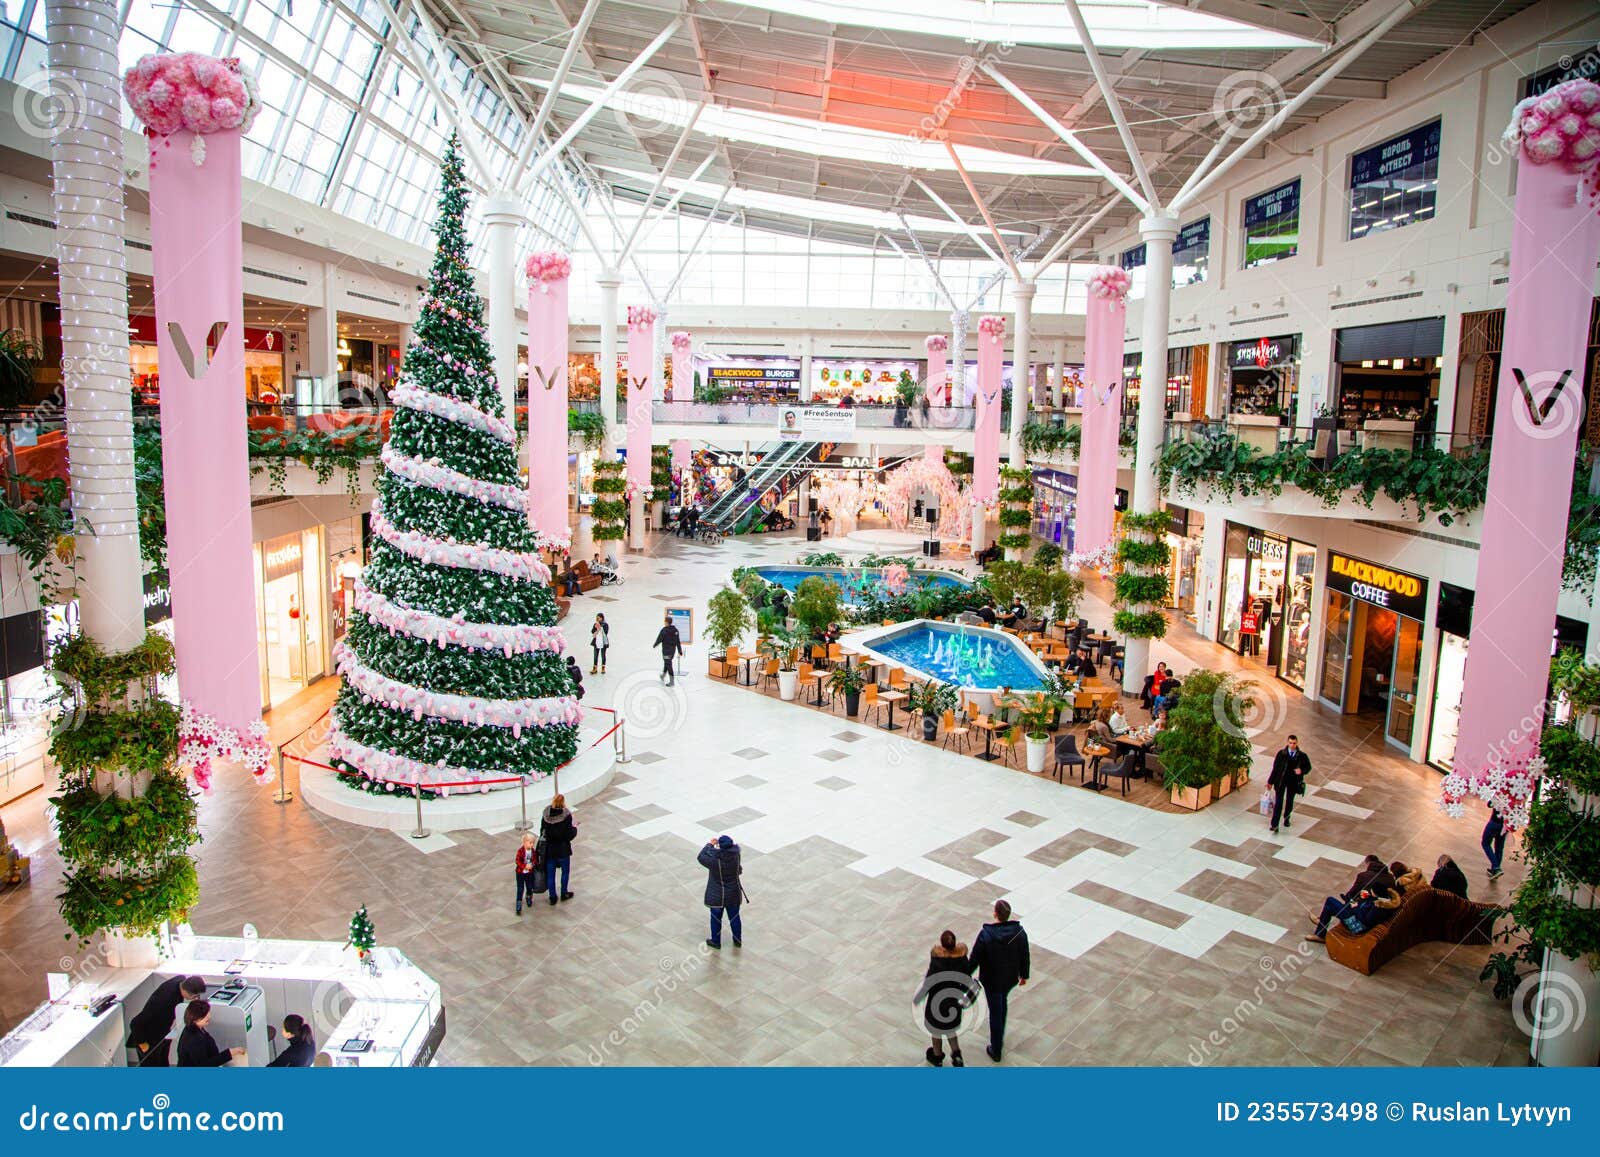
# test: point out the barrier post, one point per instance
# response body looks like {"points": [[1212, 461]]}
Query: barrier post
{"points": [[620, 744], [522, 790], [284, 794], [421, 833]]}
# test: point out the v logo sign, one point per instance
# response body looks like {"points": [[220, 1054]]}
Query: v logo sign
{"points": [[186, 354], [640, 383], [1108, 393], [1539, 411], [548, 381]]}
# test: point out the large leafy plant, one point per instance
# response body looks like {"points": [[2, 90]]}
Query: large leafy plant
{"points": [[727, 618], [816, 605], [1204, 739]]}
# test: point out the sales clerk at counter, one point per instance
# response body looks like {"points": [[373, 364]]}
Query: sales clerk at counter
{"points": [[148, 1032], [196, 1049]]}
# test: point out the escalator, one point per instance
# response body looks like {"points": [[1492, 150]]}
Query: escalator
{"points": [[779, 464]]}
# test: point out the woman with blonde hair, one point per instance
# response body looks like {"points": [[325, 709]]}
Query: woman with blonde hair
{"points": [[557, 830]]}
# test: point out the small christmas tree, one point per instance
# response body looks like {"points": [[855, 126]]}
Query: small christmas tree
{"points": [[363, 936], [452, 664]]}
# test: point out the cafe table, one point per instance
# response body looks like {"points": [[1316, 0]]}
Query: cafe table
{"points": [[1136, 742], [1097, 753], [817, 677], [988, 724], [891, 698], [748, 657]]}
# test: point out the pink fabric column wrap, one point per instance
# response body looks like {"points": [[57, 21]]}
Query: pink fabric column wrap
{"points": [[641, 391], [991, 388], [1555, 241], [197, 259], [682, 390], [1102, 409], [547, 399]]}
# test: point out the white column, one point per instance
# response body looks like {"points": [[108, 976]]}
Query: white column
{"points": [[92, 269], [1158, 230], [503, 217], [1021, 394], [609, 283], [805, 369], [1056, 386], [322, 336], [1444, 421], [957, 367]]}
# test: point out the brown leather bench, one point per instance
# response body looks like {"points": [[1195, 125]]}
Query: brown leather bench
{"points": [[1424, 914], [587, 579]]}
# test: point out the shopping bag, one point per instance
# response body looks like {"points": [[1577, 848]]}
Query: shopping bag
{"points": [[1266, 802]]}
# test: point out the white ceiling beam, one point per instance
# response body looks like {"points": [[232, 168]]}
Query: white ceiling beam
{"points": [[678, 196], [550, 155], [1203, 178], [916, 244], [1061, 247], [693, 249], [975, 235], [661, 178], [1108, 93], [1090, 157], [542, 116], [459, 121], [983, 210]]}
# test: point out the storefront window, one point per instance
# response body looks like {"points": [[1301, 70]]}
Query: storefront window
{"points": [[290, 625], [1184, 532], [1264, 376], [1382, 652], [1394, 184], [1336, 648], [1449, 681], [1297, 616], [1272, 225], [1191, 253]]}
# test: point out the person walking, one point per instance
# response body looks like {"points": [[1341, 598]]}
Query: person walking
{"points": [[599, 643], [557, 829], [724, 890], [948, 990], [1000, 960], [1494, 841], [575, 673], [671, 647], [526, 860], [1288, 779]]}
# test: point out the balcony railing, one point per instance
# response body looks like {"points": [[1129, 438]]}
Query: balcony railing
{"points": [[1318, 439], [868, 417]]}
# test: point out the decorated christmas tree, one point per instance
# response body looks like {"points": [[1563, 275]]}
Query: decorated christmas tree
{"points": [[363, 936], [452, 665]]}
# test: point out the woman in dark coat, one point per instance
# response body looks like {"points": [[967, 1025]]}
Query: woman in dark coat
{"points": [[721, 860], [558, 829], [299, 1046], [196, 1049], [948, 989]]}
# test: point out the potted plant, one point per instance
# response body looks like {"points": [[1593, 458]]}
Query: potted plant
{"points": [[727, 619], [1036, 719], [848, 681], [816, 605], [931, 700], [1204, 741], [784, 646]]}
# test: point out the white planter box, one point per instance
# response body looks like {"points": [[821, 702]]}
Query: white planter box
{"points": [[1038, 750], [788, 681]]}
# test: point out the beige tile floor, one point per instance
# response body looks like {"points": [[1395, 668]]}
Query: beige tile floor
{"points": [[837, 933]]}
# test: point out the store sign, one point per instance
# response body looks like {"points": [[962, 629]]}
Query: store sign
{"points": [[754, 375], [1262, 353], [1263, 547], [1394, 590], [1284, 201], [280, 557], [813, 423], [157, 602], [1133, 258], [1195, 237], [1381, 162], [1177, 520]]}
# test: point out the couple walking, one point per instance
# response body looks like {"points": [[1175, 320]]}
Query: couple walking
{"points": [[1000, 960]]}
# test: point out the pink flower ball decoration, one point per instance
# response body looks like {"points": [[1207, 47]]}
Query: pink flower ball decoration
{"points": [[170, 92], [936, 343], [1562, 125], [992, 327], [641, 315], [1109, 282], [549, 265], [682, 341]]}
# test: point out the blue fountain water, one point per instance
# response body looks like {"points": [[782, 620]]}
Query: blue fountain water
{"points": [[854, 582], [964, 658]]}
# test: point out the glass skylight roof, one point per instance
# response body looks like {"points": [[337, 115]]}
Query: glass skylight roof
{"points": [[1112, 23]]}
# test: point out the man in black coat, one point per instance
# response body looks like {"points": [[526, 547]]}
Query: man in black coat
{"points": [[1288, 779], [671, 645], [720, 859], [1000, 961], [148, 1031]]}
